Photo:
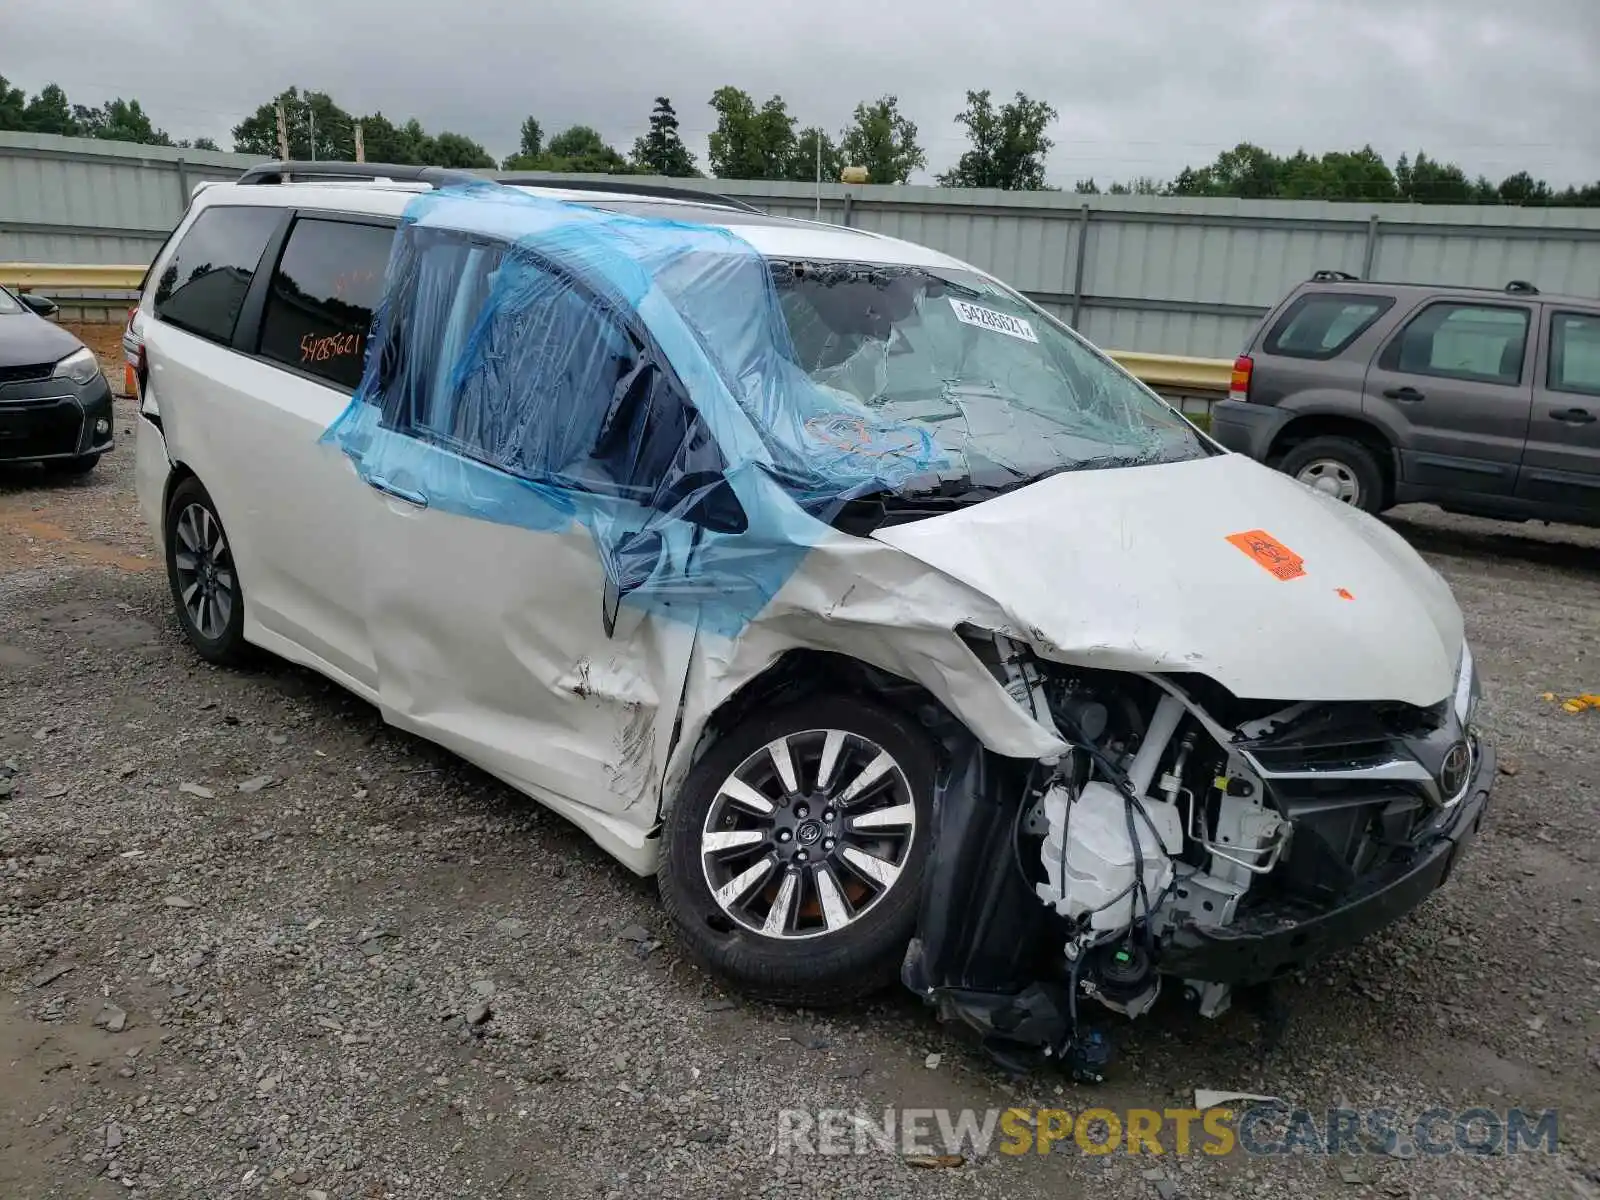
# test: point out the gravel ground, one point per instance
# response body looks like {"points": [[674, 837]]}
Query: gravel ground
{"points": [[306, 955]]}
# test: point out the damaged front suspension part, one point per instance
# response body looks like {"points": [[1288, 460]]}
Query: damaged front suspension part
{"points": [[987, 952]]}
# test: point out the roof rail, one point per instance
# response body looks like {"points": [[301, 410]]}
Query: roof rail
{"points": [[307, 171], [298, 171], [1522, 287], [1331, 276], [628, 187]]}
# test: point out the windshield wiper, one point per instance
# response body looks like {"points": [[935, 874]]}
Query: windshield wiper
{"points": [[1023, 479]]}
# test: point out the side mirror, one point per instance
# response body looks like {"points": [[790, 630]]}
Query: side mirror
{"points": [[42, 305]]}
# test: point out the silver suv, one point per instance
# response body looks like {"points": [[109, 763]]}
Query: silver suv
{"points": [[1480, 401]]}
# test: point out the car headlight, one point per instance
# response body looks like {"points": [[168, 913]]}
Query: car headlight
{"points": [[1467, 689], [80, 366]]}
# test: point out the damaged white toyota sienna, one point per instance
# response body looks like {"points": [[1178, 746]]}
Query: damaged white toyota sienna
{"points": [[897, 629]]}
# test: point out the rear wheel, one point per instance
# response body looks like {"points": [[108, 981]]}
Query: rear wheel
{"points": [[200, 570], [1339, 467], [794, 854]]}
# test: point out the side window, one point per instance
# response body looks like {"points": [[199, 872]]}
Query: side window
{"points": [[319, 308], [203, 286], [505, 359], [1575, 353], [1479, 342], [1322, 324]]}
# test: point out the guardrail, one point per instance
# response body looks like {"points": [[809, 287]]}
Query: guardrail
{"points": [[1174, 372], [28, 277], [1202, 378]]}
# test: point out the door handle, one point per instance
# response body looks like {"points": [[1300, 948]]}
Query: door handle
{"points": [[1409, 394], [379, 483], [1573, 416]]}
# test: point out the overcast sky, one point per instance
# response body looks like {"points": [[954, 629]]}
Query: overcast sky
{"points": [[1143, 86]]}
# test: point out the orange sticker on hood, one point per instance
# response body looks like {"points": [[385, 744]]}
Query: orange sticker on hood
{"points": [[1270, 553]]}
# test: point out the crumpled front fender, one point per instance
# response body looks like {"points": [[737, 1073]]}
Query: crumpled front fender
{"points": [[875, 604]]}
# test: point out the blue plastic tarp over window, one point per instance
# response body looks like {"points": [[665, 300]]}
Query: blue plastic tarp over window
{"points": [[539, 363]]}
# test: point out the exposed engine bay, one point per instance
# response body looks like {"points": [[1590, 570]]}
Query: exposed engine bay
{"points": [[1186, 836]]}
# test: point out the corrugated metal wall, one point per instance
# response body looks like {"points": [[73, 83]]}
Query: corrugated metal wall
{"points": [[1142, 273], [72, 200]]}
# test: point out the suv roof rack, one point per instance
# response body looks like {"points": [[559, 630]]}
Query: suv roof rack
{"points": [[1331, 276], [629, 187], [1522, 287], [301, 170]]}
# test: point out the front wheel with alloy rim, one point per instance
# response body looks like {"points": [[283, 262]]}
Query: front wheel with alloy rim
{"points": [[200, 570], [794, 853], [1339, 467]]}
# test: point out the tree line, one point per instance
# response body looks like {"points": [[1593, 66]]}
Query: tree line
{"points": [[767, 141], [48, 111], [749, 142], [1250, 172], [316, 127], [1008, 148]]}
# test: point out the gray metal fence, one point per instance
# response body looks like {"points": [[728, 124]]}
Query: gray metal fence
{"points": [[79, 200], [1146, 273]]}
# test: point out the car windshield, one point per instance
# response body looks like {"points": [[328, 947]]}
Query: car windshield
{"points": [[8, 305], [1005, 390]]}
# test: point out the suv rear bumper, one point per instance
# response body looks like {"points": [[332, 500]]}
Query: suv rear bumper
{"points": [[1272, 942], [1247, 428]]}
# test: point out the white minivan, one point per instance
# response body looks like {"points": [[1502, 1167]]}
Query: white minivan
{"points": [[897, 629]]}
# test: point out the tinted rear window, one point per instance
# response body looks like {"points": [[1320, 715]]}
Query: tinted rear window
{"points": [[319, 309], [1322, 324], [203, 287]]}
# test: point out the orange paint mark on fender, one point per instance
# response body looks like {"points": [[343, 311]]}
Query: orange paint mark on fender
{"points": [[1270, 553]]}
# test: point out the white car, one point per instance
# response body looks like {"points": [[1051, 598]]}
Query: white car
{"points": [[895, 627]]}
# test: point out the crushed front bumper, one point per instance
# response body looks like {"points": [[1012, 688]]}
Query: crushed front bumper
{"points": [[1274, 940]]}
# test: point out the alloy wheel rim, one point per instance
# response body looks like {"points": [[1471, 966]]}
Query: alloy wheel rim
{"points": [[808, 834], [204, 566], [1332, 478]]}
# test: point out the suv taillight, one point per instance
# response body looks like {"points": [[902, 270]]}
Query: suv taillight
{"points": [[1239, 381], [135, 369]]}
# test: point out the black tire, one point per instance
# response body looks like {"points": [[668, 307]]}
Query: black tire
{"points": [[1354, 458], [81, 465], [222, 640], [829, 967]]}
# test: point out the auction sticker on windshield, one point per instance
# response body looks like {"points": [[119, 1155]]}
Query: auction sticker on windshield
{"points": [[987, 318]]}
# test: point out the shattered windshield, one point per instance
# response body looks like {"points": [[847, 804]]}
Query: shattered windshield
{"points": [[1004, 390]]}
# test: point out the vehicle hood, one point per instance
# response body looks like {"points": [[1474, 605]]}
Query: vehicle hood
{"points": [[26, 339], [1133, 569]]}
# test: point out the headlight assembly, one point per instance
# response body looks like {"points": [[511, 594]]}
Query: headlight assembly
{"points": [[1467, 689], [80, 366]]}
